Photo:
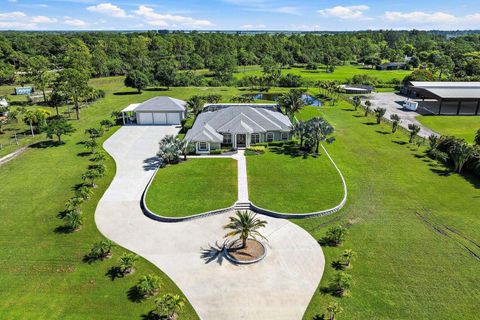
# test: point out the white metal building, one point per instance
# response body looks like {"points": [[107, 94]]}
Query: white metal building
{"points": [[160, 110]]}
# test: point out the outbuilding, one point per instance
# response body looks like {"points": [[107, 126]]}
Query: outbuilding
{"points": [[160, 110]]}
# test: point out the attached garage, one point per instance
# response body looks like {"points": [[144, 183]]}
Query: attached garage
{"points": [[158, 111]]}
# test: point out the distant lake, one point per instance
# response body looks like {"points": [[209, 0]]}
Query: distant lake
{"points": [[308, 99]]}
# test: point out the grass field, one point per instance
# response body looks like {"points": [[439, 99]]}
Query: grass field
{"points": [[192, 187], [289, 184], [459, 126], [341, 73], [411, 222]]}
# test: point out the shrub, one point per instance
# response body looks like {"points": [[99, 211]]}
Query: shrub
{"points": [[260, 144], [290, 81], [148, 285], [217, 151], [276, 143], [257, 149], [335, 235]]}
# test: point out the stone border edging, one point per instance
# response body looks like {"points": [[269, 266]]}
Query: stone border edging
{"points": [[235, 261], [310, 214], [149, 213]]}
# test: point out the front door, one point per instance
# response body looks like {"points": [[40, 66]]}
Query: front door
{"points": [[241, 140]]}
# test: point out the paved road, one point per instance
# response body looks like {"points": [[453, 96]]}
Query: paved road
{"points": [[279, 287], [393, 103]]}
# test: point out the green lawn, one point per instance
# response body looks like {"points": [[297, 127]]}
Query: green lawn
{"points": [[460, 126], [407, 268], [194, 186], [341, 73], [288, 184]]}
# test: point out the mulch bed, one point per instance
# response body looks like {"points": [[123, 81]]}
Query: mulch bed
{"points": [[253, 250]]}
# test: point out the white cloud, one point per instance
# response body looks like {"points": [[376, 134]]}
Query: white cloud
{"points": [[167, 20], [75, 22], [14, 25], [109, 10], [43, 19], [286, 10], [419, 17], [253, 26], [14, 15], [346, 12]]}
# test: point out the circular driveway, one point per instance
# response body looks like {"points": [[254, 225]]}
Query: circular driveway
{"points": [[278, 287]]}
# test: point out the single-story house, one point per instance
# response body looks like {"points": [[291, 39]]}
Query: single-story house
{"points": [[238, 126], [160, 110], [392, 66]]}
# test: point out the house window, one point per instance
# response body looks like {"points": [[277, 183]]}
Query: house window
{"points": [[227, 138], [269, 137], [255, 138], [284, 136], [202, 146]]}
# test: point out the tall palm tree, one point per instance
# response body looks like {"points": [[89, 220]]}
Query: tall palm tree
{"points": [[395, 121], [379, 113], [460, 152], [300, 129], [291, 102], [168, 306], [245, 225], [414, 130], [30, 117], [195, 104], [333, 309]]}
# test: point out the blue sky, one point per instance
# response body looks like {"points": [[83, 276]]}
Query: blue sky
{"points": [[238, 14]]}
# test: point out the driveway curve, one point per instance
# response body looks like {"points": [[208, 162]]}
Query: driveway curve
{"points": [[278, 287]]}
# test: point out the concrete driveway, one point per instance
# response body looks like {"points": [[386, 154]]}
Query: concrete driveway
{"points": [[393, 103], [279, 287]]}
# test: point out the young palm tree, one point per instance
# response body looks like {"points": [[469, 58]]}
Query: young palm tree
{"points": [[127, 263], [356, 102], [84, 192], [73, 204], [92, 145], [336, 235], [99, 156], [74, 220], [368, 105], [169, 306], [341, 283], [148, 285], [291, 102], [30, 117], [414, 130], [395, 122], [348, 255], [245, 225], [333, 309], [92, 175], [379, 113], [101, 250]]}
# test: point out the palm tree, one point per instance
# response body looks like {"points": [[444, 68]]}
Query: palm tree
{"points": [[91, 144], [299, 129], [333, 309], [127, 263], [348, 255], [368, 104], [460, 152], [341, 283], [148, 285], [379, 113], [195, 105], [414, 130], [102, 249], [395, 122], [319, 130], [291, 102], [356, 102], [74, 220], [84, 192], [30, 117], [73, 204], [477, 138], [245, 225], [92, 175], [169, 306]]}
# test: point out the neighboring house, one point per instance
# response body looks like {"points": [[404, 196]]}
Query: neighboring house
{"points": [[160, 110], [23, 90], [392, 66], [238, 126]]}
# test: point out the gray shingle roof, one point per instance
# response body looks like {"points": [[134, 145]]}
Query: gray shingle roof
{"points": [[236, 119], [450, 89], [162, 103]]}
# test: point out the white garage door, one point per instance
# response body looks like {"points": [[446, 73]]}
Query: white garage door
{"points": [[145, 118], [160, 118], [173, 118]]}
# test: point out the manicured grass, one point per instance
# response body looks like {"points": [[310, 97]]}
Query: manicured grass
{"points": [[341, 73], [406, 268], [193, 186], [293, 184], [459, 126]]}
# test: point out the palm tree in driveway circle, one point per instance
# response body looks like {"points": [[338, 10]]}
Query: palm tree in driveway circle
{"points": [[245, 225]]}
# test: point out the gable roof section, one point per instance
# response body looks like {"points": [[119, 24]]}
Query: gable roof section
{"points": [[206, 134], [162, 103]]}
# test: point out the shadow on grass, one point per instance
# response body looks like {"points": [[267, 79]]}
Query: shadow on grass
{"points": [[126, 93], [293, 151], [358, 116], [151, 316], [46, 144], [114, 273], [445, 172], [134, 295], [84, 154], [319, 317], [382, 132], [156, 89], [402, 143], [370, 123], [63, 230], [349, 110], [338, 265], [334, 292]]}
